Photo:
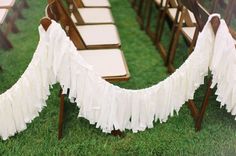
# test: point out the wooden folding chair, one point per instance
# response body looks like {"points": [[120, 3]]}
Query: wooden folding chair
{"points": [[173, 15], [93, 3], [83, 16], [109, 63], [159, 6], [201, 16], [91, 36], [187, 27]]}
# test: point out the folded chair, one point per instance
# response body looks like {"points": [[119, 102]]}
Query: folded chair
{"points": [[93, 3], [109, 63], [83, 16], [90, 36]]}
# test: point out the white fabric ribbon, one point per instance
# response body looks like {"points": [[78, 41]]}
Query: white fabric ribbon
{"points": [[110, 107]]}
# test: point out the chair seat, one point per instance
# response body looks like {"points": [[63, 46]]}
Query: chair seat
{"points": [[3, 14], [158, 2], [172, 13], [189, 32], [106, 62], [94, 15], [7, 3], [105, 34], [96, 3]]}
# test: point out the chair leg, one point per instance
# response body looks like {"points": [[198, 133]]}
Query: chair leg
{"points": [[159, 31], [203, 107], [4, 42], [172, 49], [149, 16], [11, 25], [25, 4], [139, 14], [61, 115], [117, 133]]}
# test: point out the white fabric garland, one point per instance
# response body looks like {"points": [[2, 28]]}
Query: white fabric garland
{"points": [[110, 107]]}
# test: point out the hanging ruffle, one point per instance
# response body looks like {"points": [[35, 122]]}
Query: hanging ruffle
{"points": [[110, 107]]}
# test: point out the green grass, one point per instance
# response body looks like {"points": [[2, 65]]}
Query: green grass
{"points": [[176, 137]]}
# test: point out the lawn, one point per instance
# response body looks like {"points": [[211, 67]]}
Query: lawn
{"points": [[176, 137]]}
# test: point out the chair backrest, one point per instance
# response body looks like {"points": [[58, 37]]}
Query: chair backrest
{"points": [[73, 8], [79, 3], [57, 12], [200, 13]]}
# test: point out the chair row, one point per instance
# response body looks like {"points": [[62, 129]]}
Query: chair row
{"points": [[181, 22], [9, 13], [90, 26]]}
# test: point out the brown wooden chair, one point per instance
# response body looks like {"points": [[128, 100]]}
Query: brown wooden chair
{"points": [[159, 6], [90, 36], [201, 16], [188, 28], [93, 3], [86, 16], [175, 16], [109, 63]]}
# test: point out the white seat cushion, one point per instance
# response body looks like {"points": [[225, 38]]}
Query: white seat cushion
{"points": [[3, 14], [189, 32], [106, 62], [96, 3], [105, 34], [94, 15], [158, 2], [172, 13], [192, 16], [7, 3]]}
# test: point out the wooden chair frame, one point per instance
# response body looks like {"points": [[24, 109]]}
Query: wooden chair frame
{"points": [[60, 14], [160, 7], [142, 11], [177, 30], [201, 17], [53, 10], [159, 30]]}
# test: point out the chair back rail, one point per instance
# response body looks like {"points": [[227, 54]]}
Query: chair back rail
{"points": [[56, 12]]}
